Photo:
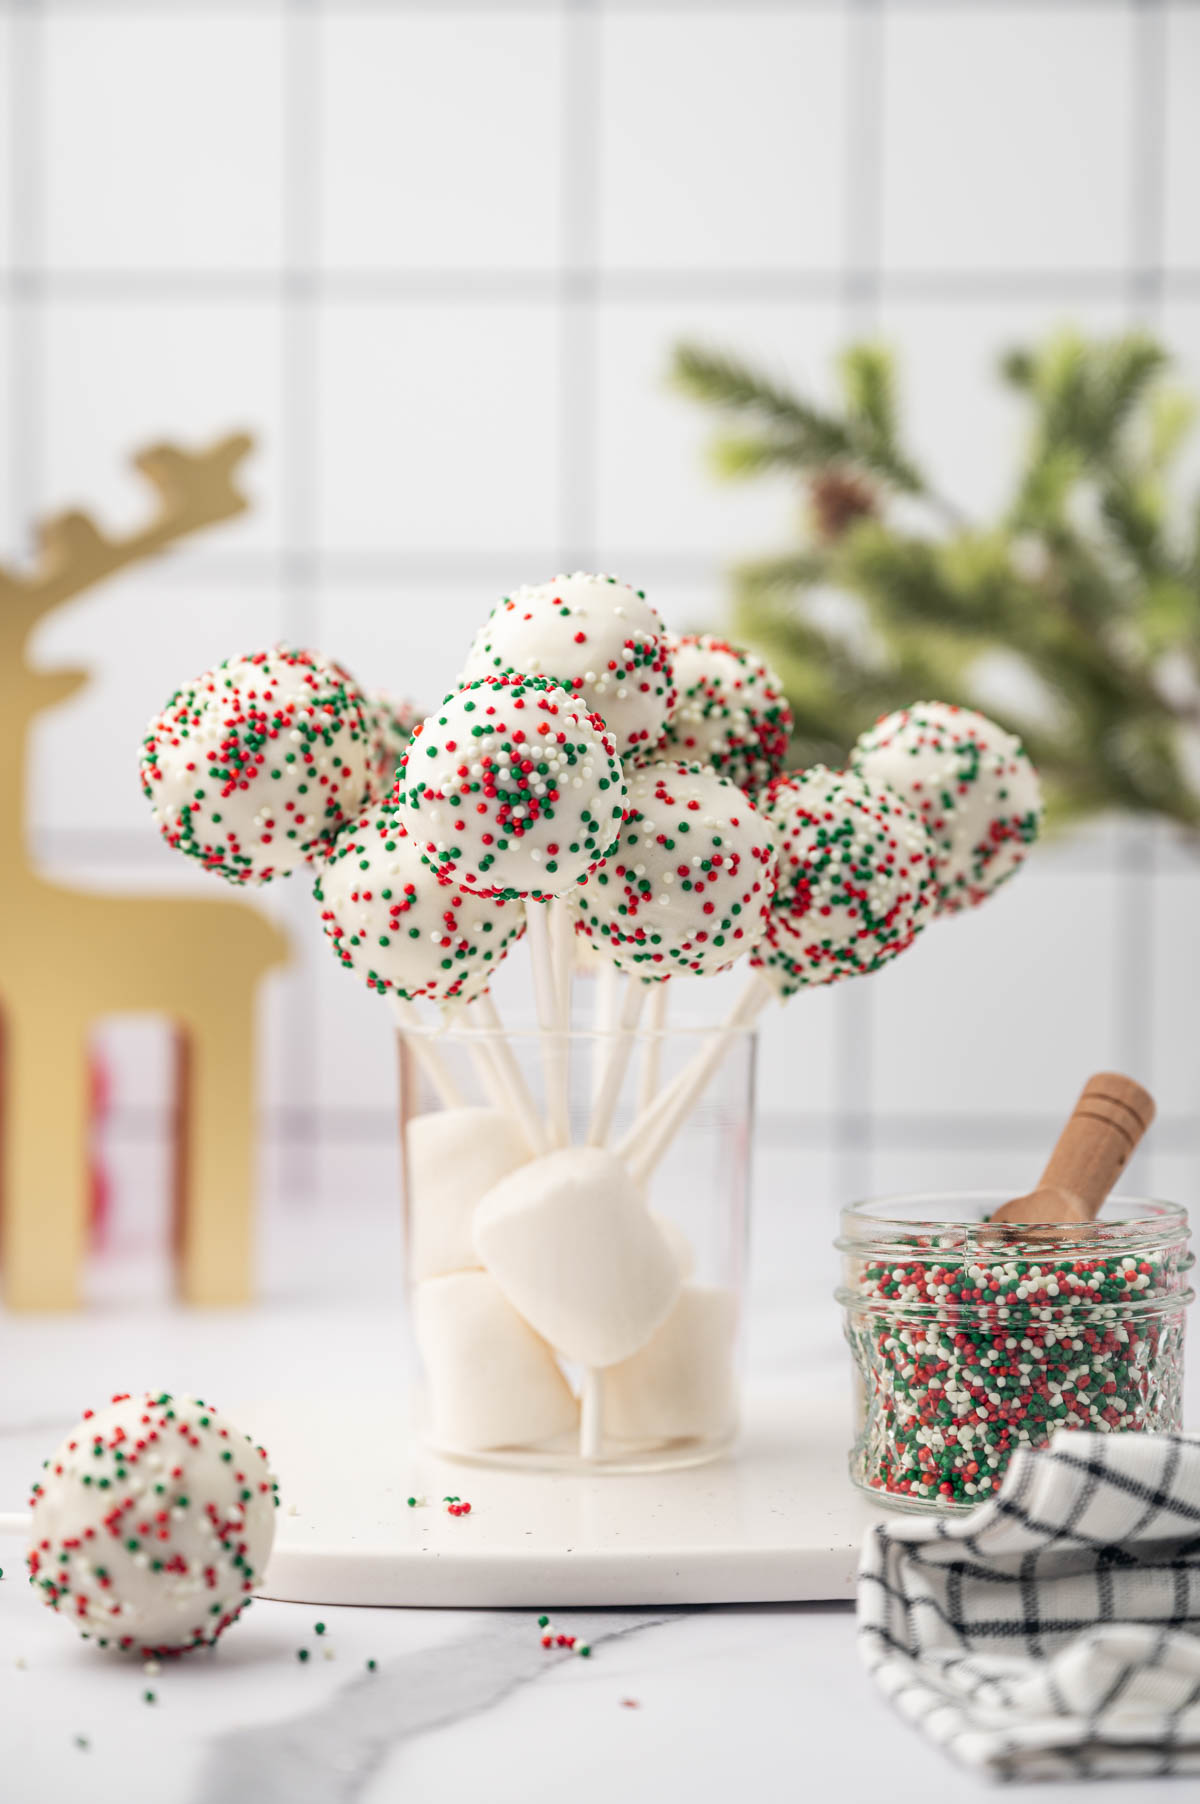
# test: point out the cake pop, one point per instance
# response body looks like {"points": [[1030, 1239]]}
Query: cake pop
{"points": [[257, 764], [971, 783], [405, 932], [512, 788], [593, 635], [731, 713], [152, 1524], [689, 885], [856, 881], [392, 724]]}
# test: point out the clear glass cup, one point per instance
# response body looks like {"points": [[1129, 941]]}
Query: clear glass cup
{"points": [[515, 1110], [972, 1339]]}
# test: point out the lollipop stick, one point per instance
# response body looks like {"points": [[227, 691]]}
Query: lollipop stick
{"points": [[650, 1136], [428, 1057], [562, 949], [656, 1027], [491, 1082], [511, 1074], [619, 1048], [604, 1013], [591, 1414], [554, 1064]]}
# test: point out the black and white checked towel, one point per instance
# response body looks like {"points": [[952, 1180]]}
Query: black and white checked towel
{"points": [[1055, 1631]]}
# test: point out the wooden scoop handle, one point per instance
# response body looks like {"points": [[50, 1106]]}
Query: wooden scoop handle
{"points": [[1099, 1140], [1093, 1149]]}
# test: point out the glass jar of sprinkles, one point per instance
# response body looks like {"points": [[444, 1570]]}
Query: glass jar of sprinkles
{"points": [[971, 1339]]}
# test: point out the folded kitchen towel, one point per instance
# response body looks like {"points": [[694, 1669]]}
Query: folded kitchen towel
{"points": [[1055, 1631]]}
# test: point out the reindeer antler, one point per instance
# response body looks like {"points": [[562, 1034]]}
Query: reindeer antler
{"points": [[195, 489]]}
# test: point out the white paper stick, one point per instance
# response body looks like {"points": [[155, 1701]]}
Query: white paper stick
{"points": [[15, 1522], [652, 1046], [620, 1044], [604, 1014], [520, 1096], [644, 1146], [491, 1082], [591, 1415], [562, 949], [412, 1028], [554, 1063]]}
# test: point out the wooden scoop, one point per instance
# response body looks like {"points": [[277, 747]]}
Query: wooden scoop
{"points": [[1093, 1149]]}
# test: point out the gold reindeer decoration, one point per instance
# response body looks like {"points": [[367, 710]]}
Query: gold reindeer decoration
{"points": [[69, 957]]}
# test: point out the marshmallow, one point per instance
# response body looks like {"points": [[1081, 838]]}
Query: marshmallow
{"points": [[680, 1386], [491, 1381], [573, 1247], [680, 1245], [455, 1156]]}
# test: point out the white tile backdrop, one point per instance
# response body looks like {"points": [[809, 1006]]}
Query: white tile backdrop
{"points": [[435, 255]]}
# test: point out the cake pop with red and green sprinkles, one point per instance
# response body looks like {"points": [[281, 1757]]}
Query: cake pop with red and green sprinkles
{"points": [[259, 763], [730, 712], [152, 1524], [689, 885], [971, 783], [593, 635], [403, 932], [392, 724], [856, 879], [512, 788]]}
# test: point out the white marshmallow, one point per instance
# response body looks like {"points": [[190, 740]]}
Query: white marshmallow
{"points": [[680, 1245], [680, 1386], [455, 1156], [491, 1381], [574, 1248]]}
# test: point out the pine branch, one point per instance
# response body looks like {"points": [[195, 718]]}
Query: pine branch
{"points": [[1087, 580]]}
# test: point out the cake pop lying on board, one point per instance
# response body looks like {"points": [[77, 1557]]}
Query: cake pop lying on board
{"points": [[512, 788], [404, 932], [971, 783], [257, 764], [856, 879], [593, 635], [152, 1524], [689, 884], [730, 712], [392, 724]]}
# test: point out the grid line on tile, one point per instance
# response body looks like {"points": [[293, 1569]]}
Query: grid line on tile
{"points": [[581, 286]]}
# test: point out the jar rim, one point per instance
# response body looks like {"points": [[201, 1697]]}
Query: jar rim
{"points": [[898, 1221]]}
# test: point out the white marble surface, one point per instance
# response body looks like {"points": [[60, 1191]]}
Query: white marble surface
{"points": [[725, 1702]]}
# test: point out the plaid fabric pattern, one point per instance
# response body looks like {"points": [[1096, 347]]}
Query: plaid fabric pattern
{"points": [[1053, 1633]]}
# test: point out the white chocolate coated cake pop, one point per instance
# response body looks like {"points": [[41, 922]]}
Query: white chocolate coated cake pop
{"points": [[689, 885], [259, 762], [152, 1524], [856, 880], [593, 635], [730, 712], [392, 724], [404, 932], [512, 788], [971, 783]]}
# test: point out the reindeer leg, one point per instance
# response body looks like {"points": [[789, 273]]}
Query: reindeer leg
{"points": [[44, 1159], [215, 1192]]}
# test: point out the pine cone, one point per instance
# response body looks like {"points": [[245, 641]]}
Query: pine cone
{"points": [[839, 498]]}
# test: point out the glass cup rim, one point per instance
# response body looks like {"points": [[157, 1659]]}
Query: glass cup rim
{"points": [[458, 1033]]}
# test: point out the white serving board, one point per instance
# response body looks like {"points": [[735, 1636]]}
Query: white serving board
{"points": [[774, 1520]]}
